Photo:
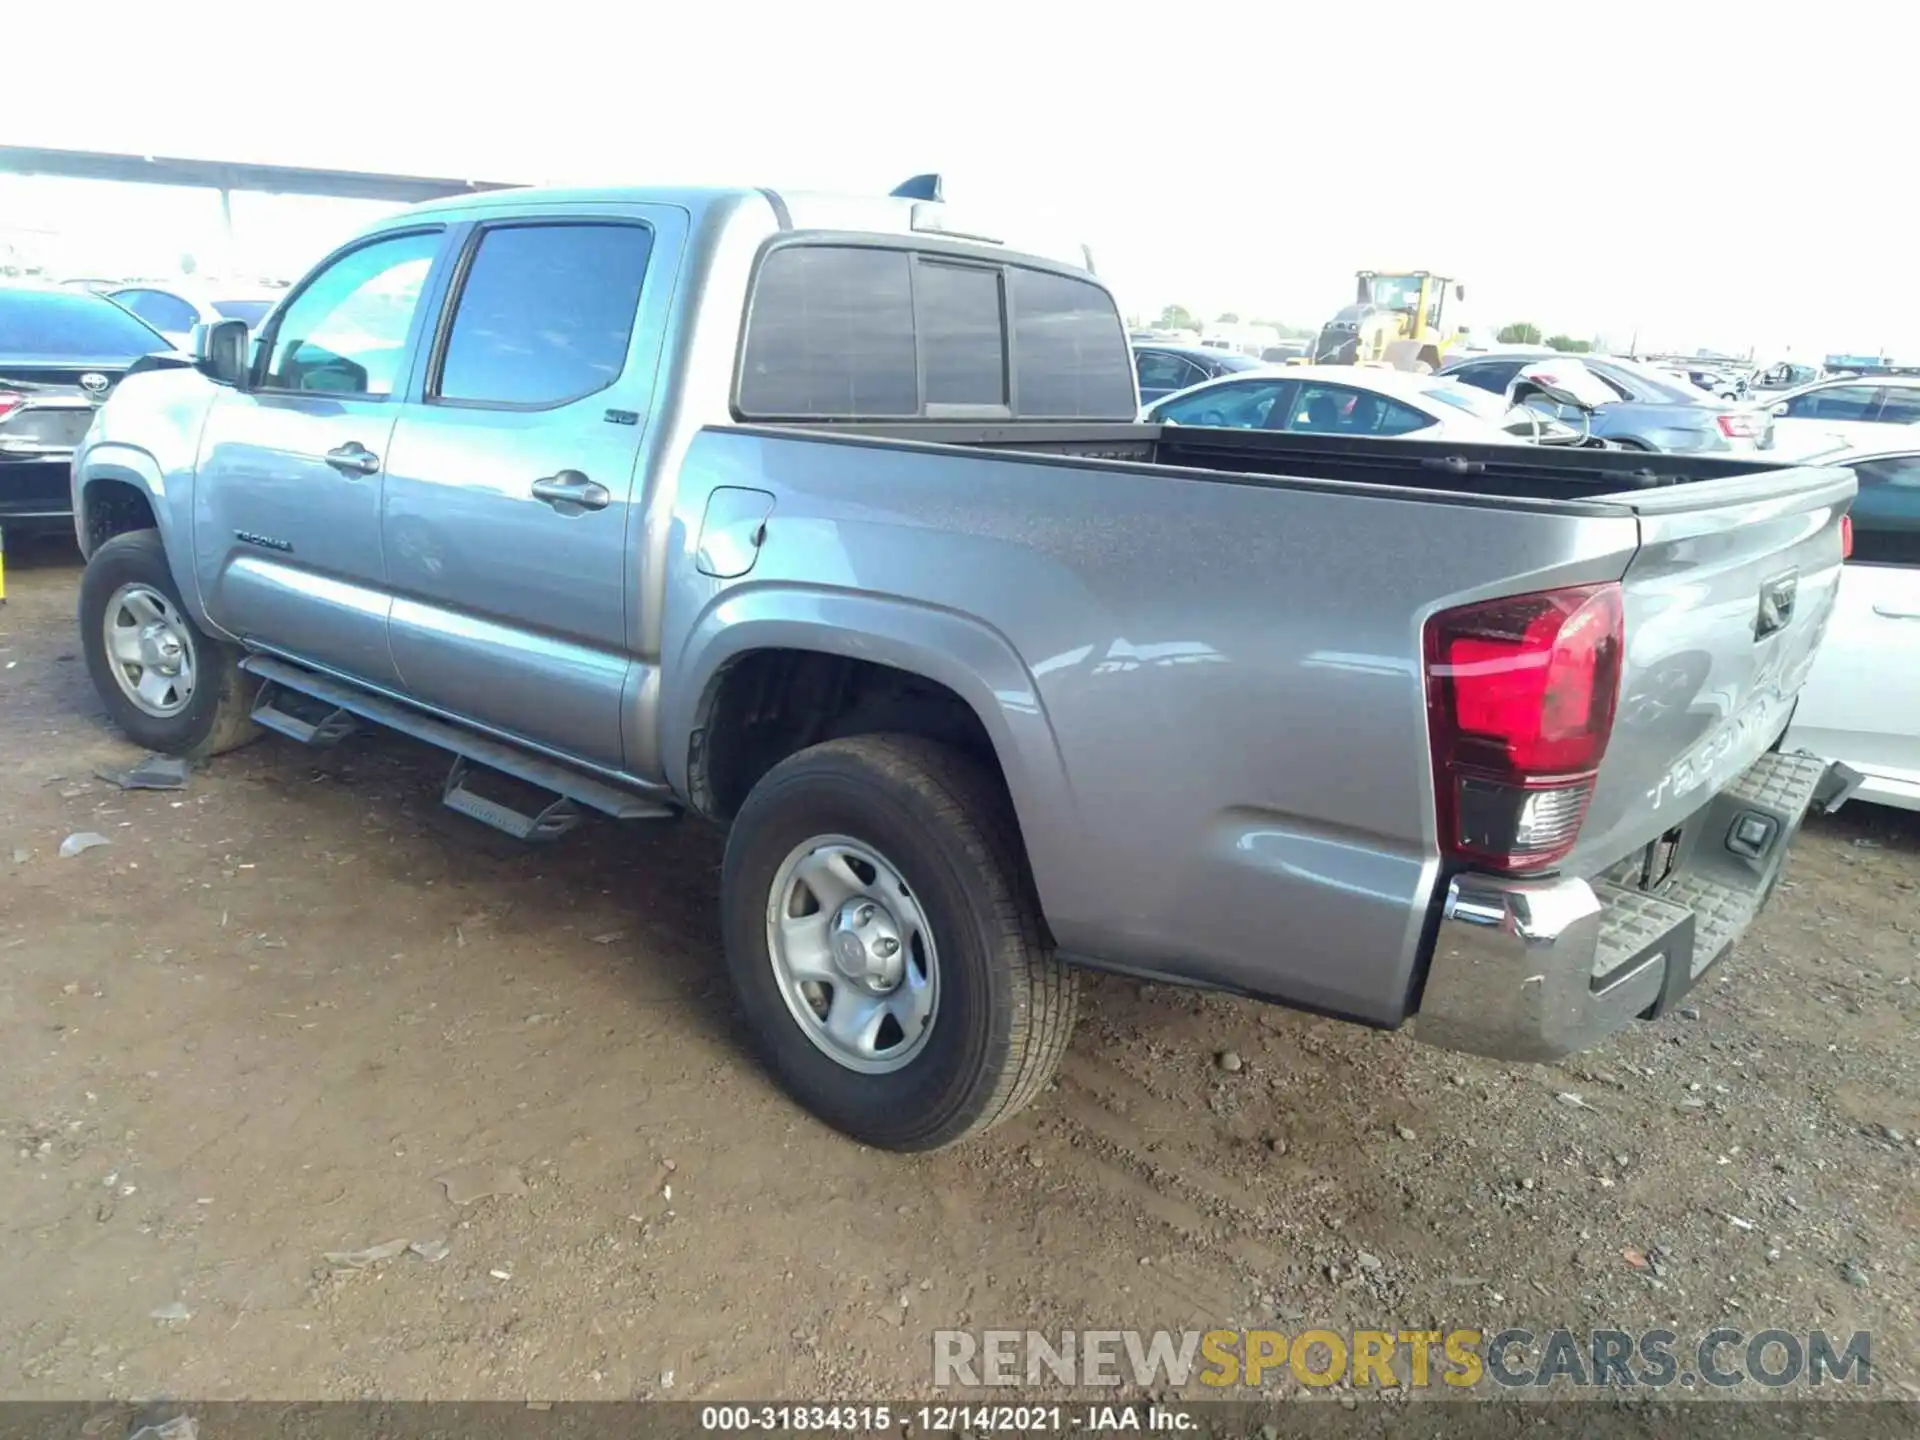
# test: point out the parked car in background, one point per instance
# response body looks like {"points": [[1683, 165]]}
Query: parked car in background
{"points": [[1861, 704], [61, 354], [1849, 411], [1164, 369], [174, 313], [1654, 411], [1345, 400], [1726, 384], [1782, 375]]}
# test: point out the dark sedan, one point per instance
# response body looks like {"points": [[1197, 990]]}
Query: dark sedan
{"points": [[61, 354], [1164, 369]]}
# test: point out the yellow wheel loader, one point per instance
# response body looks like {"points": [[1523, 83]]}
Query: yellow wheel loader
{"points": [[1397, 320]]}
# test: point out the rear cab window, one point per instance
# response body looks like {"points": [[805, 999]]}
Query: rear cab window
{"points": [[845, 331]]}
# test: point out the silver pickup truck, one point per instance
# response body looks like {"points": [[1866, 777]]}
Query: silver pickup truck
{"points": [[828, 520]]}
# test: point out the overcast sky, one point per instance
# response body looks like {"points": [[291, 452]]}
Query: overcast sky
{"points": [[1711, 174]]}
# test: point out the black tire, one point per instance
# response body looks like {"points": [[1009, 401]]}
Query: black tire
{"points": [[1006, 1005], [217, 716]]}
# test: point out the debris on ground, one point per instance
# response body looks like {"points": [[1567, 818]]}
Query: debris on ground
{"points": [[156, 772], [79, 842], [180, 1427], [373, 1254], [1228, 1061], [432, 1251], [472, 1183], [175, 1311]]}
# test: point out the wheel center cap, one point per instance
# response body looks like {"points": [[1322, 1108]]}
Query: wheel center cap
{"points": [[160, 648], [864, 940]]}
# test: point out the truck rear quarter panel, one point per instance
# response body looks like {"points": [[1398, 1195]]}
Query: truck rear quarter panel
{"points": [[1206, 696]]}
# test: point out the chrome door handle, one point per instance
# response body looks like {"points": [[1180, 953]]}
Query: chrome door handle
{"points": [[571, 488], [353, 458], [1890, 613]]}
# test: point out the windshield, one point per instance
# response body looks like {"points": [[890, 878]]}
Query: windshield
{"points": [[1396, 292], [1237, 362], [251, 311], [69, 325]]}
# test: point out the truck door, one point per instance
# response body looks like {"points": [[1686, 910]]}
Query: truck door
{"points": [[511, 525], [287, 518]]}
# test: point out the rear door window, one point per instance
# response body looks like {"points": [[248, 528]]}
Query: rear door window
{"points": [[1836, 402], [1162, 372], [1340, 410], [544, 314], [1900, 405]]}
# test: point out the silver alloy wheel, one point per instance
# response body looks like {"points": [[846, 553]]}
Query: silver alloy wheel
{"points": [[150, 650], [852, 954]]}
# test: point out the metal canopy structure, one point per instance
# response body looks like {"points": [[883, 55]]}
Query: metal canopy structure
{"points": [[226, 176]]}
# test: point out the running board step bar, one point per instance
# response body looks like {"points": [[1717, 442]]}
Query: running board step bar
{"points": [[554, 818], [301, 717], [480, 750]]}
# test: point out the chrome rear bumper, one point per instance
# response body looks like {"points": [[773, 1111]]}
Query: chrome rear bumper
{"points": [[1537, 969]]}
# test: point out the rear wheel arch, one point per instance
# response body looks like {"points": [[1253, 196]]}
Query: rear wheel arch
{"points": [[898, 668]]}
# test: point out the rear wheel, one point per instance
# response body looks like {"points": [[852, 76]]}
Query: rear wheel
{"points": [[884, 942], [167, 683]]}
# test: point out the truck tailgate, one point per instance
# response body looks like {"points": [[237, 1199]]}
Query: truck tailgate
{"points": [[1726, 602]]}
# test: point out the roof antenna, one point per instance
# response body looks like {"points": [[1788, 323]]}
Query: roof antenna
{"points": [[920, 187]]}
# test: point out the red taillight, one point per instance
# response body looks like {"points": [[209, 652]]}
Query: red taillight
{"points": [[9, 402], [1520, 701], [1739, 427], [1846, 536]]}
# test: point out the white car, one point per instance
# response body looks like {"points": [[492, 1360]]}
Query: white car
{"points": [[1861, 704], [1851, 410], [1345, 400], [174, 313]]}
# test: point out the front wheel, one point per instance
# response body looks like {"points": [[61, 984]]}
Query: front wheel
{"points": [[167, 683], [884, 943]]}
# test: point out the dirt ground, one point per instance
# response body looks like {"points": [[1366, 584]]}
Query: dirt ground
{"points": [[262, 1023]]}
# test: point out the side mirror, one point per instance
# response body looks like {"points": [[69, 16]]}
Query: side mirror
{"points": [[1460, 292], [220, 352], [1778, 408]]}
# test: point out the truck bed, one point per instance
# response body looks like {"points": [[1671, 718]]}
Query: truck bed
{"points": [[1214, 637], [1505, 471]]}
